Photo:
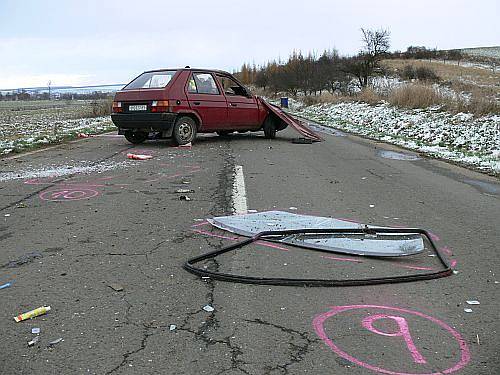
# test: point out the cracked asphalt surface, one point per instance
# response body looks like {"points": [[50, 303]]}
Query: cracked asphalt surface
{"points": [[105, 251]]}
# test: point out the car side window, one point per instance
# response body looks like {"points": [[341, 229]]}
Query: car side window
{"points": [[192, 86], [231, 87], [202, 83]]}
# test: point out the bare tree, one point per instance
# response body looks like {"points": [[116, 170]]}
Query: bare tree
{"points": [[376, 44]]}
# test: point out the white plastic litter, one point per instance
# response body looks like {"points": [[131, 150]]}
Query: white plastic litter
{"points": [[208, 308], [184, 191], [468, 310], [172, 327], [473, 302], [33, 341], [56, 341]]}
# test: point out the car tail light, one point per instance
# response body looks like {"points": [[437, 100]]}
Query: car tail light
{"points": [[117, 107], [160, 106]]}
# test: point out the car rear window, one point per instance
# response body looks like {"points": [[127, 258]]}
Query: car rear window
{"points": [[151, 80]]}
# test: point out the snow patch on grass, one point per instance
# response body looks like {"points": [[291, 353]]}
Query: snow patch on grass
{"points": [[47, 131], [461, 138]]}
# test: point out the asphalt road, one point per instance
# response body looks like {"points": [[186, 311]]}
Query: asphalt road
{"points": [[104, 245]]}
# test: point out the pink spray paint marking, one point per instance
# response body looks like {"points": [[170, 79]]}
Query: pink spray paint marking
{"points": [[434, 236], [68, 194], [319, 322], [342, 259], [446, 250], [40, 181], [404, 331], [271, 245], [200, 224], [71, 191], [420, 268], [204, 232], [263, 243]]}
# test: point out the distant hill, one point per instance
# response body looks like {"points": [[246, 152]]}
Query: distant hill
{"points": [[66, 89], [488, 52]]}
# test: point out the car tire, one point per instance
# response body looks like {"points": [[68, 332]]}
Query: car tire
{"points": [[136, 137], [269, 128], [184, 130], [224, 133]]}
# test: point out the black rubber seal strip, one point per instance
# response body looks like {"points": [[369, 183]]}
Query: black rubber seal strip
{"points": [[271, 236]]}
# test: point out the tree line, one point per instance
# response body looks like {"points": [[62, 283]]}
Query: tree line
{"points": [[313, 74]]}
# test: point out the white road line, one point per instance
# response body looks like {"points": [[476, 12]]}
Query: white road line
{"points": [[239, 191]]}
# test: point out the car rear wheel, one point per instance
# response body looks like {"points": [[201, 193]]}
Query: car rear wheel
{"points": [[184, 130], [136, 137], [269, 128]]}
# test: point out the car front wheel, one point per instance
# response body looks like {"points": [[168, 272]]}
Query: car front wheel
{"points": [[184, 130], [269, 128]]}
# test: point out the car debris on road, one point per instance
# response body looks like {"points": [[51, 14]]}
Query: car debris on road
{"points": [[139, 157], [398, 244], [320, 234]]}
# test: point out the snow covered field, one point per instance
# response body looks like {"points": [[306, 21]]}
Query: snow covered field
{"points": [[24, 125], [461, 138]]}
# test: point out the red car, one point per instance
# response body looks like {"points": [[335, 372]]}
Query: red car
{"points": [[178, 103]]}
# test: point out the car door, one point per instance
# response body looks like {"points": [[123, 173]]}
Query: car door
{"points": [[243, 111], [205, 98]]}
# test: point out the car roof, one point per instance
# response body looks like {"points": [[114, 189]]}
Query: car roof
{"points": [[191, 69]]}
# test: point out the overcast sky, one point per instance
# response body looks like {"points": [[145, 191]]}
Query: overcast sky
{"points": [[75, 42]]}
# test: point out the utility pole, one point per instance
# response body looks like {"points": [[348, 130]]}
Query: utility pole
{"points": [[48, 84]]}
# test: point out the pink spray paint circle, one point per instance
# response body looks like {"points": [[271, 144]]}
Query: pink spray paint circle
{"points": [[319, 321], [69, 194]]}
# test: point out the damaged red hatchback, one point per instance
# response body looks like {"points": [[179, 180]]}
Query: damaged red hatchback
{"points": [[179, 103]]}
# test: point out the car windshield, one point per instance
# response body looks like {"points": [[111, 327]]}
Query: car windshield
{"points": [[151, 80]]}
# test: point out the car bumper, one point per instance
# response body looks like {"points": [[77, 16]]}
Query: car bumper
{"points": [[144, 121]]}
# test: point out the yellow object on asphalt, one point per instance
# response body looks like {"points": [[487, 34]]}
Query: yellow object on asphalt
{"points": [[31, 314]]}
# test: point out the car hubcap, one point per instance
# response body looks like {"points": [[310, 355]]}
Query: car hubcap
{"points": [[185, 131]]}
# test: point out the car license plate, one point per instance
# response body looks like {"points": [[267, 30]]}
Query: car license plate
{"points": [[138, 107]]}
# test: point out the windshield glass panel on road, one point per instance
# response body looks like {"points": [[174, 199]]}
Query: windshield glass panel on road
{"points": [[151, 80]]}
